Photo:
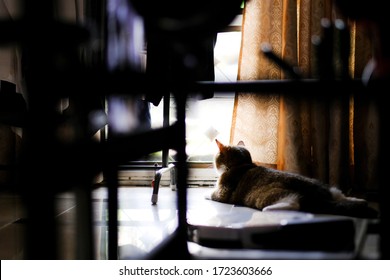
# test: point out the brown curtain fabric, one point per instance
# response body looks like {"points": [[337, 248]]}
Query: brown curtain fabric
{"points": [[330, 139]]}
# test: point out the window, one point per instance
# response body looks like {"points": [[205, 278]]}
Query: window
{"points": [[210, 118], [205, 119]]}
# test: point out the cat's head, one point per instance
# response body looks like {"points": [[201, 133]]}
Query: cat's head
{"points": [[229, 156]]}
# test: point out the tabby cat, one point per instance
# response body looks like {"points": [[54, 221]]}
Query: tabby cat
{"points": [[242, 182]]}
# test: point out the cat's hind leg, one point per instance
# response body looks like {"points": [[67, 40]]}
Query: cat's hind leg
{"points": [[290, 202], [339, 196]]}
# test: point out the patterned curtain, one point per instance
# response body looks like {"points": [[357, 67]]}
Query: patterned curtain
{"points": [[332, 139]]}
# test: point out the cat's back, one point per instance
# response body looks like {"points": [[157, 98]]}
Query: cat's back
{"points": [[266, 175], [260, 187]]}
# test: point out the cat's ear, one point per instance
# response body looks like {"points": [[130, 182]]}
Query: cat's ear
{"points": [[220, 145], [241, 143]]}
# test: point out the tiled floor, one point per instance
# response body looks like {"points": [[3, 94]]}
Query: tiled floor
{"points": [[11, 232], [143, 226]]}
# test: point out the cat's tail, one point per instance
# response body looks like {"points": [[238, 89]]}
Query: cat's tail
{"points": [[353, 208]]}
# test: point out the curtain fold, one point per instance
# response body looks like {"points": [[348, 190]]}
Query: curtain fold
{"points": [[332, 139]]}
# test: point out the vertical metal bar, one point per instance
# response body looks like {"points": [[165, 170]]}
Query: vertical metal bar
{"points": [[84, 221], [182, 173], [112, 185], [38, 136], [384, 190], [166, 121]]}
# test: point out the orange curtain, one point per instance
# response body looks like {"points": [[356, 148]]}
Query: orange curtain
{"points": [[315, 137]]}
